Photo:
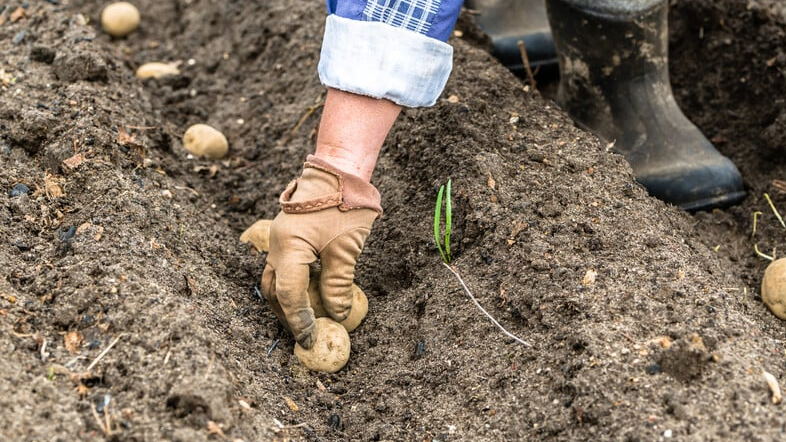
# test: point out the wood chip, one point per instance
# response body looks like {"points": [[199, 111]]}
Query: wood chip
{"points": [[73, 341]]}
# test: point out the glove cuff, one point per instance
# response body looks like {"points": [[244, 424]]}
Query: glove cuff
{"points": [[351, 192]]}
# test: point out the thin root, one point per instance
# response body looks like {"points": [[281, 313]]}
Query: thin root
{"points": [[755, 220], [103, 353], [469, 293], [774, 210], [762, 255]]}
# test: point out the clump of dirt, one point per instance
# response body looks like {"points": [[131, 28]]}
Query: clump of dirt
{"points": [[130, 305]]}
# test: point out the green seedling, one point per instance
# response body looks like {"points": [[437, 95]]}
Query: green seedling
{"points": [[444, 253]]}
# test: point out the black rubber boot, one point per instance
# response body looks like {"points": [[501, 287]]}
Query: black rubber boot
{"points": [[613, 57], [509, 21]]}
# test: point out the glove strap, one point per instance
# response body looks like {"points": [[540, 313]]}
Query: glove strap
{"points": [[351, 193]]}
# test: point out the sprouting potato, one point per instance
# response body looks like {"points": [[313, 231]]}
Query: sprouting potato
{"points": [[773, 287], [258, 235], [205, 141], [119, 19], [331, 350], [359, 305], [156, 69]]}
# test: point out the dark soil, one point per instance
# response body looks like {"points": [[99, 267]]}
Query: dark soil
{"points": [[128, 306]]}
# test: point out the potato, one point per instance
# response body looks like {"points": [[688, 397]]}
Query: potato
{"points": [[330, 351], [119, 19], [258, 235], [156, 69], [773, 287], [359, 305], [205, 141]]}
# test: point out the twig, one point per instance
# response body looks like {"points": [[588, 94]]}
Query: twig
{"points": [[107, 418], [210, 365], [525, 60], [774, 210], [469, 293], [97, 418], [103, 353], [310, 111]]}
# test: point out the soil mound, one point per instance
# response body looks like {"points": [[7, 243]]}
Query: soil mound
{"points": [[131, 310]]}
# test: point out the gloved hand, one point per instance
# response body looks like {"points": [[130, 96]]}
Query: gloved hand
{"points": [[325, 214]]}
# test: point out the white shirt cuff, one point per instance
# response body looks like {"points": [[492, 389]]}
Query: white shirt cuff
{"points": [[382, 61]]}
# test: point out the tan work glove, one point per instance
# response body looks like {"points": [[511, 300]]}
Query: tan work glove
{"points": [[325, 214]]}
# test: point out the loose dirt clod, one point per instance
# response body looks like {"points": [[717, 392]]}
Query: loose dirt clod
{"points": [[330, 351], [205, 141], [156, 69], [120, 19], [773, 287]]}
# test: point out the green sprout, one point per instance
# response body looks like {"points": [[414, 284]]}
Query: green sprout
{"points": [[444, 253]]}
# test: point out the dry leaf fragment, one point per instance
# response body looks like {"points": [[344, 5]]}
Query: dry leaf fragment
{"points": [[775, 388], [213, 428], [589, 277], [124, 138], [82, 390], [18, 14], [74, 162], [73, 341], [52, 187], [663, 341], [291, 404]]}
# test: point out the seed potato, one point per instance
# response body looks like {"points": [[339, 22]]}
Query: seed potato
{"points": [[156, 69], [119, 19], [773, 287], [356, 315], [330, 352], [258, 235], [205, 141]]}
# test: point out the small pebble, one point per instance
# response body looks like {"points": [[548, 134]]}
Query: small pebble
{"points": [[19, 37], [65, 233], [334, 421], [18, 189], [653, 369], [667, 434]]}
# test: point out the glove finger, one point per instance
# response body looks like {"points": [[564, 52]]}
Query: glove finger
{"points": [[267, 287], [291, 290], [338, 272]]}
